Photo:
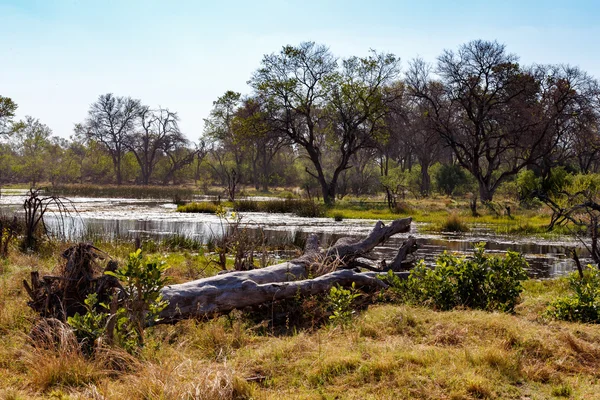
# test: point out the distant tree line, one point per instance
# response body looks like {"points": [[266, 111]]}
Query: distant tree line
{"points": [[473, 120]]}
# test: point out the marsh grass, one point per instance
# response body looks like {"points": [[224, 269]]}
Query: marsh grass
{"points": [[454, 223], [173, 193], [302, 208], [199, 207]]}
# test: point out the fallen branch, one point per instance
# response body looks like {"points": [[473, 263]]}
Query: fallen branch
{"points": [[316, 271]]}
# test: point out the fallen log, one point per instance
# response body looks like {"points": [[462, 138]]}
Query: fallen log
{"points": [[316, 271]]}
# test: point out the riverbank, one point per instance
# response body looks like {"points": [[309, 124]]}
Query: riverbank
{"points": [[387, 351]]}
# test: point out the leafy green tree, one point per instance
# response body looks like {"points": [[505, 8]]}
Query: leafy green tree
{"points": [[319, 105], [32, 141], [96, 163], [263, 143], [219, 128], [65, 167], [7, 113]]}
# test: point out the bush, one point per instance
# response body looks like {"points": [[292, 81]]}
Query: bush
{"points": [[582, 304], [402, 208], [449, 178], [340, 301], [302, 208], [138, 306], [481, 282]]}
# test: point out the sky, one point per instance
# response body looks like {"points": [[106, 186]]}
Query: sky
{"points": [[58, 56]]}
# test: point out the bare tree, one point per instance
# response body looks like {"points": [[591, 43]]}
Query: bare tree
{"points": [[423, 140], [157, 131], [111, 121], [180, 154], [497, 117], [570, 115]]}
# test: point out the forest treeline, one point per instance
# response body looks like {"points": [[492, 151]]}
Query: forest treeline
{"points": [[475, 118]]}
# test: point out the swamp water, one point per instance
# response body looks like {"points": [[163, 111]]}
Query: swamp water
{"points": [[127, 219]]}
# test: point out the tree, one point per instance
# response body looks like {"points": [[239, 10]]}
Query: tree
{"points": [[570, 113], [359, 99], [179, 155], [111, 121], [486, 110], [252, 129], [65, 166], [32, 143], [218, 127], [421, 138], [7, 112], [318, 104], [156, 132]]}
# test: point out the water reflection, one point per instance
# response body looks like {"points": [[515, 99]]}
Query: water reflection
{"points": [[128, 219], [546, 259]]}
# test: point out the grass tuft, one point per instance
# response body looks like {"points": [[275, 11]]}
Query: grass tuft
{"points": [[201, 207], [454, 224]]}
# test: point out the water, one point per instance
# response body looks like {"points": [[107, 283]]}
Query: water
{"points": [[151, 219]]}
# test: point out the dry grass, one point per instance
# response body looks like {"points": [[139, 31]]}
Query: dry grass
{"points": [[388, 352]]}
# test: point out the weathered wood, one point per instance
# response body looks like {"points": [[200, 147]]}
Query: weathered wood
{"points": [[409, 246], [61, 296], [240, 289]]}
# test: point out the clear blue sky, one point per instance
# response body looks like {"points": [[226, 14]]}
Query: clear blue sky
{"points": [[57, 56]]}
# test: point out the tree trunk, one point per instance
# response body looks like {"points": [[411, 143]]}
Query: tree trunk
{"points": [[118, 170], [265, 172], [314, 272], [485, 193], [425, 180]]}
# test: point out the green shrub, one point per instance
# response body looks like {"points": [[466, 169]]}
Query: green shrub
{"points": [[582, 304], [138, 307], [90, 326], [449, 178], [338, 217], [480, 282], [562, 391], [202, 207], [340, 301]]}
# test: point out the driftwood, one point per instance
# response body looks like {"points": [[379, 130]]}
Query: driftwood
{"points": [[61, 296], [316, 271]]}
